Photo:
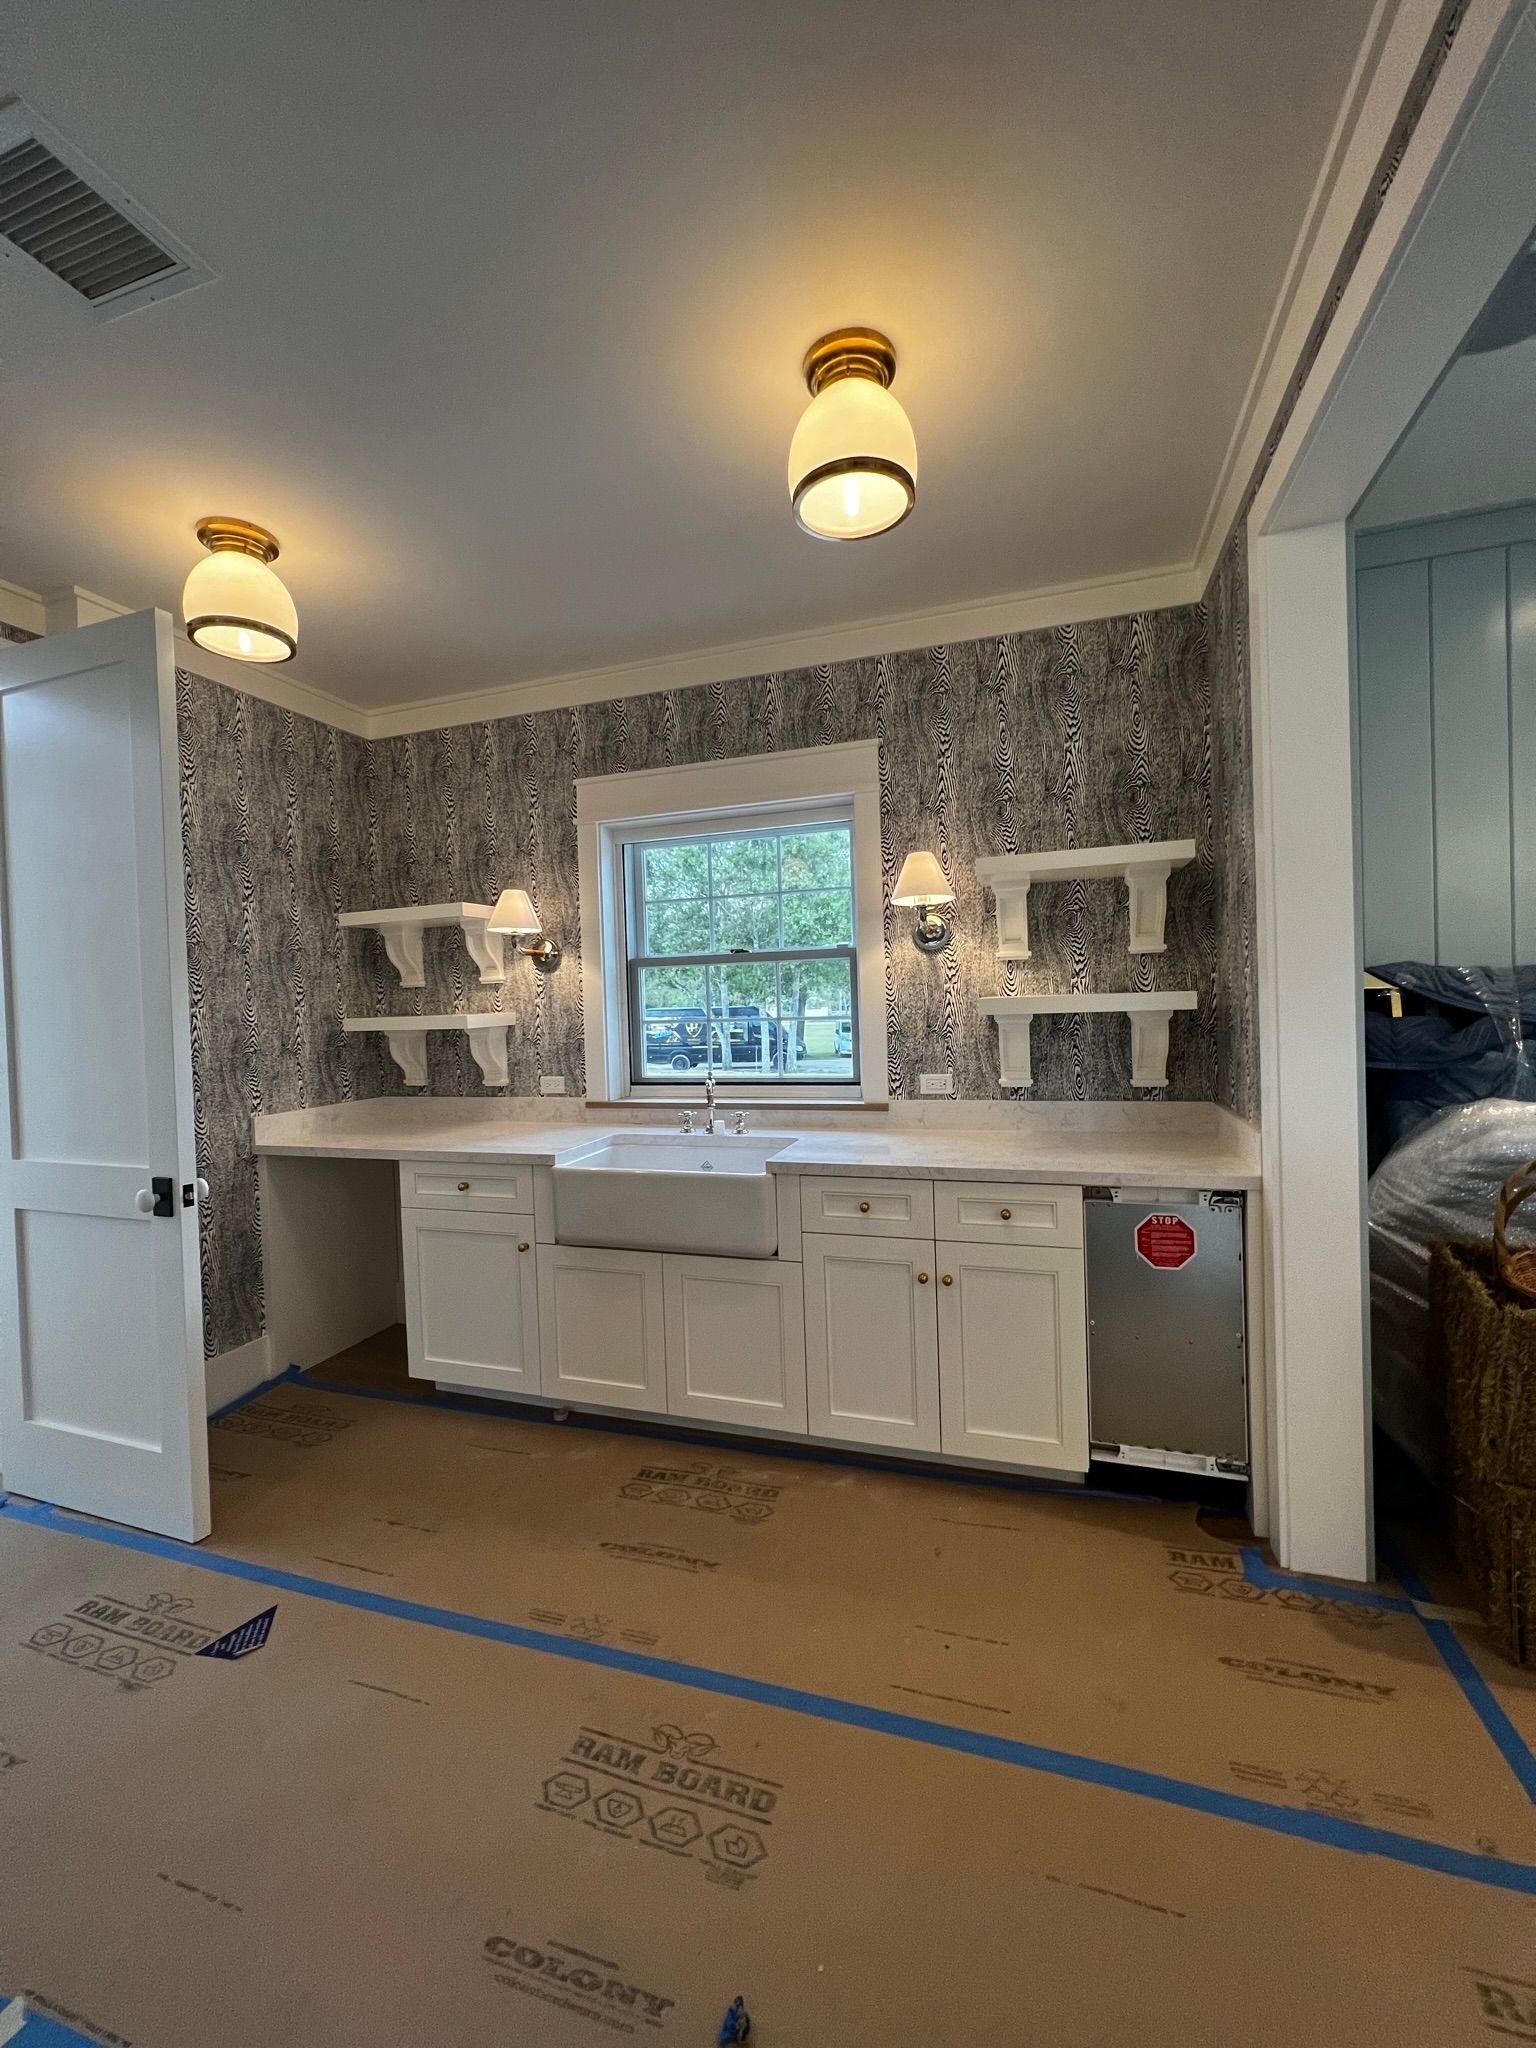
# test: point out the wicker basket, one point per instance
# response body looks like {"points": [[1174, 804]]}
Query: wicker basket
{"points": [[1517, 1269], [1486, 1339]]}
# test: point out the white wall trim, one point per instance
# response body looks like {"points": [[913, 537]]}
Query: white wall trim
{"points": [[21, 607], [649, 796], [1312, 1077], [1458, 211], [233, 1373], [1390, 53], [67, 606], [1022, 612], [273, 685], [1459, 207]]}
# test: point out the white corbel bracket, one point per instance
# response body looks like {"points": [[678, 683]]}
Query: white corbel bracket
{"points": [[1149, 1014], [401, 929], [406, 1038], [1145, 869]]}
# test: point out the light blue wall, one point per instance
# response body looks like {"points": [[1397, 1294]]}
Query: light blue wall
{"points": [[1446, 630]]}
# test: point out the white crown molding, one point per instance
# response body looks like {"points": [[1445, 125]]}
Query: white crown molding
{"points": [[57, 610], [1027, 611], [273, 685], [1072, 604], [19, 607], [1390, 52]]}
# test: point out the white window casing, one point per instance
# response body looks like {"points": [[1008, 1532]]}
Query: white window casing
{"points": [[767, 790]]}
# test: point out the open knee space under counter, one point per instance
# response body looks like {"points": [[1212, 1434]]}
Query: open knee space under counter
{"points": [[922, 1292]]}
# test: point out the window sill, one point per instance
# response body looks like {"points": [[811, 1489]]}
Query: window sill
{"points": [[756, 1100]]}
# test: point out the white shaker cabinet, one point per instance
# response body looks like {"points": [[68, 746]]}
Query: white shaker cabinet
{"points": [[872, 1341], [471, 1303], [1013, 1349], [601, 1321], [735, 1341]]}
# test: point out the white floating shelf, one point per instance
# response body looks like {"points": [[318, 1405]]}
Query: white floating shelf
{"points": [[402, 927], [1144, 869], [1149, 1014], [487, 1030]]}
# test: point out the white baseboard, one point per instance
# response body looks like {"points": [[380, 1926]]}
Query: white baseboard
{"points": [[234, 1373]]}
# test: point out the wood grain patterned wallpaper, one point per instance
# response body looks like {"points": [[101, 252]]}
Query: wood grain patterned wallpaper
{"points": [[1125, 729]]}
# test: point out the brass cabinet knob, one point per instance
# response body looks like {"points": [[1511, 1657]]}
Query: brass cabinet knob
{"points": [[922, 1279], [463, 1187], [523, 1246], [1005, 1214], [948, 1279], [863, 1208]]}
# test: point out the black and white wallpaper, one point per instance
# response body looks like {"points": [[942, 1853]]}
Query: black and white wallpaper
{"points": [[1073, 736], [1235, 1000], [1132, 728], [1079, 736], [275, 826]]}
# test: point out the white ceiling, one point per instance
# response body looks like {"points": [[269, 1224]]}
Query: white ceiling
{"points": [[1473, 446], [511, 301]]}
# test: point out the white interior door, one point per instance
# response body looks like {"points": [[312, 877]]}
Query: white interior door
{"points": [[101, 1357]]}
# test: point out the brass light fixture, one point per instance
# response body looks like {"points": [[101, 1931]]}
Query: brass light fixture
{"points": [[514, 912], [234, 602], [853, 460]]}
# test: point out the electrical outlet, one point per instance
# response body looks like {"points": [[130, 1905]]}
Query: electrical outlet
{"points": [[935, 1084], [551, 1084]]}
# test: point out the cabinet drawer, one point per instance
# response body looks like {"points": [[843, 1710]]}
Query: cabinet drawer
{"points": [[867, 1208], [1007, 1212], [508, 1189]]}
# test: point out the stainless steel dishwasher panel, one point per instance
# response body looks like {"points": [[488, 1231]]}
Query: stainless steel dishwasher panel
{"points": [[1167, 1380]]}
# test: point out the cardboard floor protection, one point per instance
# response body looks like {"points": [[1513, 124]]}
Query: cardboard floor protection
{"points": [[1114, 1630], [344, 1829]]}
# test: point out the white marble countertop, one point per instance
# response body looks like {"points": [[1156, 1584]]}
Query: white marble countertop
{"points": [[1206, 1150]]}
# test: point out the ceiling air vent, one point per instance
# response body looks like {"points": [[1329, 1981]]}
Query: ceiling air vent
{"points": [[57, 208]]}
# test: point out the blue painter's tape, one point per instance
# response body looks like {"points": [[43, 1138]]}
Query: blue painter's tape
{"points": [[1258, 1573], [38, 2030], [253, 1393], [1479, 1694], [1322, 1828], [819, 1454]]}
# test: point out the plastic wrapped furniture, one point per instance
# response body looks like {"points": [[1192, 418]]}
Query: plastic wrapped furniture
{"points": [[1464, 1037]]}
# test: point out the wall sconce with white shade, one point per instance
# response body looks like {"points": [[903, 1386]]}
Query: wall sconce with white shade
{"points": [[234, 602], [514, 913], [921, 885], [853, 460]]}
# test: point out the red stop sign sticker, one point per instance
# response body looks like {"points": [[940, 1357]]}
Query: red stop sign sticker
{"points": [[1166, 1242]]}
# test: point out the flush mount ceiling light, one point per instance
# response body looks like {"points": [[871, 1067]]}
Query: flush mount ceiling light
{"points": [[234, 603], [853, 461]]}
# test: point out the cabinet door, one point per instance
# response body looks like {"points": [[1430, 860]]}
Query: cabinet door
{"points": [[871, 1341], [600, 1315], [1013, 1354], [736, 1341], [471, 1307]]}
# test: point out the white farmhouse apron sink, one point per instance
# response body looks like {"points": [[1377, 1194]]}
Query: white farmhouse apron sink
{"points": [[672, 1194]]}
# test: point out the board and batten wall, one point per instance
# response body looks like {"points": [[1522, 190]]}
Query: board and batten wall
{"points": [[1446, 630]]}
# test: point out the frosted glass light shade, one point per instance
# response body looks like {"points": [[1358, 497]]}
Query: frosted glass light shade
{"points": [[921, 881], [514, 912], [238, 605], [853, 461]]}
